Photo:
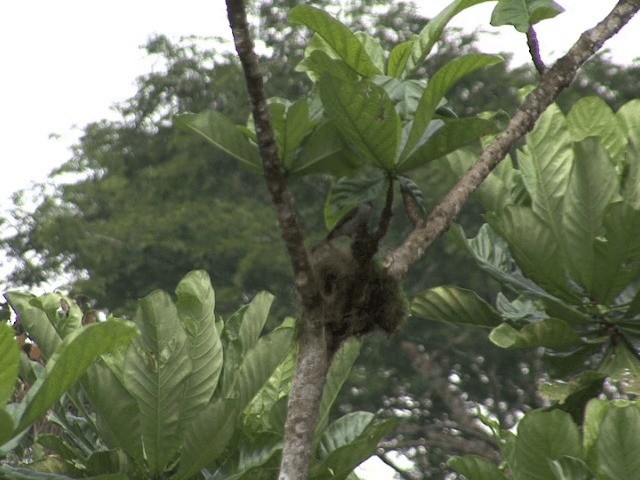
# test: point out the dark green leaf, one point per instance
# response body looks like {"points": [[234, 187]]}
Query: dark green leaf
{"points": [[475, 467], [455, 305], [9, 363], [523, 14], [347, 193], [615, 452], [551, 333]]}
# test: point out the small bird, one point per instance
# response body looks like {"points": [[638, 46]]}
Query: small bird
{"points": [[348, 225]]}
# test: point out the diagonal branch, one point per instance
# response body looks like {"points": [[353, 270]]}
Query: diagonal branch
{"points": [[274, 173], [554, 80], [534, 50]]}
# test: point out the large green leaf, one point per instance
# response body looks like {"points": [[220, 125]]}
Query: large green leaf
{"points": [[365, 116], [475, 467], [617, 254], [615, 453], [207, 437], [63, 314], [492, 254], [259, 364], [542, 438], [295, 126], [338, 37], [9, 363], [407, 57], [592, 186], [350, 440], [347, 193], [117, 411], [324, 151], [452, 136], [338, 373], [157, 365], [65, 367], [254, 318], [534, 248], [35, 321], [631, 177], [550, 332], [455, 305], [6, 427], [223, 134], [523, 14], [443, 80], [196, 303], [545, 163], [569, 468], [591, 116], [629, 118]]}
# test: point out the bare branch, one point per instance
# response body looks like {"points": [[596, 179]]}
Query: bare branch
{"points": [[534, 50], [554, 80], [273, 171]]}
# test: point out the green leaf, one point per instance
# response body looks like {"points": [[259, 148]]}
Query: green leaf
{"points": [[545, 162], [492, 254], [550, 332], [157, 366], [65, 367], [591, 116], [195, 306], [220, 132], [615, 453], [475, 467], [631, 175], [207, 437], [629, 118], [443, 80], [542, 438], [317, 62], [296, 126], [338, 373], [373, 48], [455, 305], [254, 318], [259, 364], [339, 38], [569, 468], [523, 14], [35, 321], [9, 363], [408, 57], [365, 117], [350, 440], [324, 151], [534, 248], [6, 427], [453, 135], [347, 193], [592, 186]]}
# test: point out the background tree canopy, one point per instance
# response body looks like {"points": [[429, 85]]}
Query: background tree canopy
{"points": [[148, 204]]}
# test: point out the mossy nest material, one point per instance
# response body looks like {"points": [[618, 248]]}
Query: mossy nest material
{"points": [[360, 297]]}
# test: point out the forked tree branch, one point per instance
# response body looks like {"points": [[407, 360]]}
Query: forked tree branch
{"points": [[273, 170], [552, 82]]}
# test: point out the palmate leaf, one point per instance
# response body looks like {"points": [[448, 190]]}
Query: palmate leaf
{"points": [[223, 134], [365, 117], [65, 367], [591, 116], [338, 37], [592, 186], [196, 303], [408, 56], [156, 367], [441, 82], [523, 14], [455, 305]]}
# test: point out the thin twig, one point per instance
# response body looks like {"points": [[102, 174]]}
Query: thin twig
{"points": [[534, 50], [553, 81]]}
